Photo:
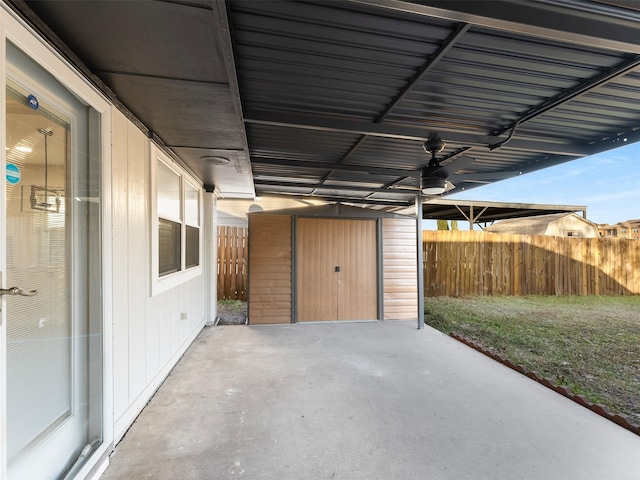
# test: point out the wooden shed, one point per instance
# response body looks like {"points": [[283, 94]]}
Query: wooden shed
{"points": [[332, 263]]}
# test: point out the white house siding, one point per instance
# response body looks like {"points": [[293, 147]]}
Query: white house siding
{"points": [[144, 335], [149, 334]]}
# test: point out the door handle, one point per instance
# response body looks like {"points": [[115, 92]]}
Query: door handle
{"points": [[18, 291]]}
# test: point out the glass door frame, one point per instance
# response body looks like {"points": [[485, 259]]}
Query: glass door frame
{"points": [[14, 30]]}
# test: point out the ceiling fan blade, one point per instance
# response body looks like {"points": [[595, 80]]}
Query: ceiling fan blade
{"points": [[456, 164], [430, 171], [484, 177]]}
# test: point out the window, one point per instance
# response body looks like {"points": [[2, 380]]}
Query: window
{"points": [[175, 225], [169, 258], [192, 225], [169, 220]]}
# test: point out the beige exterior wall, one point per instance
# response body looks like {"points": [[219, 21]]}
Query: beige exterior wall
{"points": [[629, 229]]}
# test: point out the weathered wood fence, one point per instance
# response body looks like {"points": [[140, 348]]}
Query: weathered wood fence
{"points": [[232, 263], [459, 263]]}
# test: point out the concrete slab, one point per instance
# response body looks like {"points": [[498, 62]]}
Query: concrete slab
{"points": [[362, 401]]}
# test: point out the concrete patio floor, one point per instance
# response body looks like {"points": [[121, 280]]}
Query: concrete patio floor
{"points": [[361, 401]]}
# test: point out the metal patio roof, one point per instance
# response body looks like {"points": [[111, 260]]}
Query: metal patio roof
{"points": [[334, 99], [488, 212]]}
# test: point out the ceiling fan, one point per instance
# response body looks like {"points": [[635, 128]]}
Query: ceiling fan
{"points": [[433, 177], [436, 179]]}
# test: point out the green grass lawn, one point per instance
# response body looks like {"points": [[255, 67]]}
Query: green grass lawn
{"points": [[589, 344]]}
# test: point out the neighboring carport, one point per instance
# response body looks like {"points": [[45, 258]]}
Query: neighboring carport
{"points": [[477, 212]]}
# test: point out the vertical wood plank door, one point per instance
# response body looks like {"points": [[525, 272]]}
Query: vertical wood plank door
{"points": [[336, 270], [358, 276], [315, 276]]}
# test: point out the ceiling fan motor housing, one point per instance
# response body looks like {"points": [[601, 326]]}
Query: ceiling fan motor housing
{"points": [[434, 185], [434, 144]]}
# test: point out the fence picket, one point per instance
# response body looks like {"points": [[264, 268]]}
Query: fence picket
{"points": [[480, 263], [232, 263]]}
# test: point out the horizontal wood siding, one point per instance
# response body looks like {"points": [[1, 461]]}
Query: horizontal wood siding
{"points": [[459, 263], [400, 269], [269, 269]]}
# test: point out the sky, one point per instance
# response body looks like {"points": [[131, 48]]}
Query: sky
{"points": [[608, 184]]}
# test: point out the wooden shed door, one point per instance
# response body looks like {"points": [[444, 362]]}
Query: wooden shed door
{"points": [[336, 269]]}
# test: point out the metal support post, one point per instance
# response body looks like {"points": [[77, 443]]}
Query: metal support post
{"points": [[420, 262]]}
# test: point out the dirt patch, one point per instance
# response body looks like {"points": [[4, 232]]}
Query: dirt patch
{"points": [[232, 312]]}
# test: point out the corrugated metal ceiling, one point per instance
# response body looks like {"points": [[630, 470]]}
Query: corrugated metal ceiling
{"points": [[321, 81], [337, 97]]}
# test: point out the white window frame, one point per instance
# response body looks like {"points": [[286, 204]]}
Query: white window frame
{"points": [[160, 284], [188, 223]]}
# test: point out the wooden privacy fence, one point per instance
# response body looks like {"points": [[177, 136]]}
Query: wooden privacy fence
{"points": [[232, 263], [459, 263]]}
